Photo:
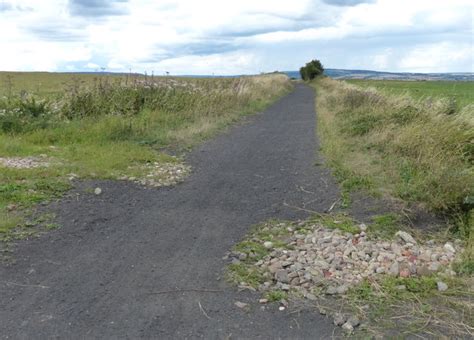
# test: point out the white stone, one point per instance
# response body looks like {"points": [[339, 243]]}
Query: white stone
{"points": [[449, 247], [405, 237], [442, 286]]}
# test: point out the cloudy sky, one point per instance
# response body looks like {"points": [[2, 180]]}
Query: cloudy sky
{"points": [[235, 37]]}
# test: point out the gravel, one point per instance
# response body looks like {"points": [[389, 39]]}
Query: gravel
{"points": [[160, 174], [25, 162], [336, 260]]}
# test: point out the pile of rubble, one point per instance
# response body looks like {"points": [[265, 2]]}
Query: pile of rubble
{"points": [[337, 260], [24, 162], [161, 174], [331, 261]]}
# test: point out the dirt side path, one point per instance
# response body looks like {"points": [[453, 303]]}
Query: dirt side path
{"points": [[102, 275]]}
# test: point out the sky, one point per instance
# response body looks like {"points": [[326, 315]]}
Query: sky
{"points": [[235, 37]]}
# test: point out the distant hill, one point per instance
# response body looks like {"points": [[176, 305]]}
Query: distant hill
{"points": [[365, 74]]}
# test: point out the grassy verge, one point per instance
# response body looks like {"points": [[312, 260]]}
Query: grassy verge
{"points": [[417, 151], [109, 128]]}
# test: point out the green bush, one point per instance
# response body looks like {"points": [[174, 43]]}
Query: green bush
{"points": [[311, 70]]}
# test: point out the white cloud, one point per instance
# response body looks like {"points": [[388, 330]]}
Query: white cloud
{"points": [[440, 57], [92, 66], [214, 36]]}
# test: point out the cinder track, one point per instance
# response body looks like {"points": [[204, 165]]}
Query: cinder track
{"points": [[101, 274]]}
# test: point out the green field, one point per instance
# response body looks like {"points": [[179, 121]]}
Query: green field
{"points": [[462, 92], [47, 83]]}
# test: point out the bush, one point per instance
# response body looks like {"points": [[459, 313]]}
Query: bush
{"points": [[311, 70], [24, 114]]}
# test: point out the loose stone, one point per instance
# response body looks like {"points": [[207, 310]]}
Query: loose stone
{"points": [[442, 286]]}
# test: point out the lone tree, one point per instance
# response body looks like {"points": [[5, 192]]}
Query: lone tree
{"points": [[311, 70]]}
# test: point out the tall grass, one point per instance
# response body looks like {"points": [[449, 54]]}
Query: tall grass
{"points": [[416, 150]]}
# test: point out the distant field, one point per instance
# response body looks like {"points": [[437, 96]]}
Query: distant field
{"points": [[463, 92], [46, 83]]}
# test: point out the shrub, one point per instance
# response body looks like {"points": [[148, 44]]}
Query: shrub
{"points": [[311, 70]]}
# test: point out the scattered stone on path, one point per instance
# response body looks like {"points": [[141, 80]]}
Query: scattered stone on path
{"points": [[160, 174], [97, 191], [241, 304], [442, 286]]}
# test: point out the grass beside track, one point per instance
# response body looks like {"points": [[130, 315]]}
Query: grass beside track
{"points": [[414, 150], [109, 127]]}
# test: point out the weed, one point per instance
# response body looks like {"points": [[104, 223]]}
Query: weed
{"points": [[276, 295], [335, 221], [385, 226], [257, 250], [412, 306], [241, 272]]}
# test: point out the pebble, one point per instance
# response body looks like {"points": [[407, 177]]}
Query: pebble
{"points": [[268, 244], [97, 191], [339, 319], [342, 289], [282, 276], [241, 304], [354, 321], [394, 269], [405, 237], [442, 286], [347, 327], [449, 247]]}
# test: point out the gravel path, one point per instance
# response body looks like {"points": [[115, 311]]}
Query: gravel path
{"points": [[134, 262]]}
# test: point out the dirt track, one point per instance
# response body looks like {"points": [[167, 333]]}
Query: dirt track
{"points": [[100, 274]]}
